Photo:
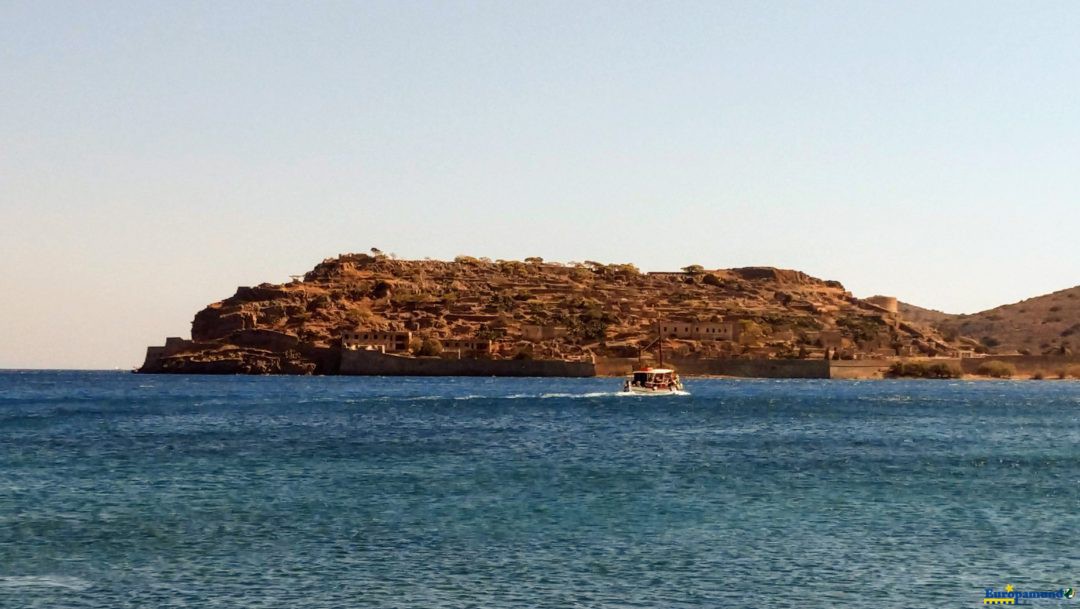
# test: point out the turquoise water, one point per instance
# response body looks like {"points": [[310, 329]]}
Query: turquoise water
{"points": [[118, 490]]}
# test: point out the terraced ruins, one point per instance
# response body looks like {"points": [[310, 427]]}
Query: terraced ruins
{"points": [[532, 309]]}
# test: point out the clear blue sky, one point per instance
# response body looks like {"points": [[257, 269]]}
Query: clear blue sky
{"points": [[155, 155]]}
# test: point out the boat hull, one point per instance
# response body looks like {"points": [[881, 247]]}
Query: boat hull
{"points": [[649, 391]]}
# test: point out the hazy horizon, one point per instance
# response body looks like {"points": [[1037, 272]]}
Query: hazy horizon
{"points": [[156, 155]]}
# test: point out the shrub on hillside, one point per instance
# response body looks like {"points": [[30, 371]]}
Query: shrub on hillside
{"points": [[750, 332], [430, 346], [862, 328], [923, 370], [359, 314], [995, 369], [945, 371]]}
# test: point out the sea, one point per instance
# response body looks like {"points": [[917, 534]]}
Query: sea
{"points": [[122, 490]]}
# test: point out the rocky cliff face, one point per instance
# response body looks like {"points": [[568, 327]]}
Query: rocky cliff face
{"points": [[588, 309]]}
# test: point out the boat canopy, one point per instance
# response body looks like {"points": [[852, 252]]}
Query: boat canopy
{"points": [[654, 371]]}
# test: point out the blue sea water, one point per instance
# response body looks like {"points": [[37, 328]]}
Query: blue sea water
{"points": [[121, 490]]}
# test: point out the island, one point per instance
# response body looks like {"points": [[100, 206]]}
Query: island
{"points": [[374, 314]]}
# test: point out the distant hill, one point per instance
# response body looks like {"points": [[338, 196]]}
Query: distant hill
{"points": [[926, 317], [536, 309], [1044, 324], [1048, 324]]}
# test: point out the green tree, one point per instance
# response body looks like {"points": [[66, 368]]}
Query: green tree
{"points": [[429, 346]]}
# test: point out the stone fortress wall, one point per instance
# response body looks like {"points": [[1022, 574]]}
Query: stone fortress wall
{"points": [[373, 363]]}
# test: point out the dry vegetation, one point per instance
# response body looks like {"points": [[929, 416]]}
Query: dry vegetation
{"points": [[601, 309], [1044, 325]]}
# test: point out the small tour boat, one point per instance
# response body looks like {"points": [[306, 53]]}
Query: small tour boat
{"points": [[653, 381]]}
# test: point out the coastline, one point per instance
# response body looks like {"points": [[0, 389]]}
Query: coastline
{"points": [[334, 362]]}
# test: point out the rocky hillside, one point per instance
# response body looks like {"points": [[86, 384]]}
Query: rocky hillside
{"points": [[924, 317], [1044, 325], [594, 309]]}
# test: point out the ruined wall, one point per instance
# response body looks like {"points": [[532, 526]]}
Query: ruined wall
{"points": [[264, 339], [174, 345], [889, 303], [1025, 364], [372, 363], [749, 368], [615, 366], [862, 368], [152, 363], [263, 352], [759, 368]]}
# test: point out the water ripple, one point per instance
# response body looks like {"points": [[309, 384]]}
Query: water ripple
{"points": [[119, 490]]}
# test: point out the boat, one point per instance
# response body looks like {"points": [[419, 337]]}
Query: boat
{"points": [[645, 380], [653, 381]]}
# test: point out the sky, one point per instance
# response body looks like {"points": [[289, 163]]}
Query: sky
{"points": [[156, 155]]}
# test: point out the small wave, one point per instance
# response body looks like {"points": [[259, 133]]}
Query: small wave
{"points": [[43, 581]]}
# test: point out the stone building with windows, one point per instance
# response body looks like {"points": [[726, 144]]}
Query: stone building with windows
{"points": [[700, 330], [537, 333], [385, 341], [466, 346]]}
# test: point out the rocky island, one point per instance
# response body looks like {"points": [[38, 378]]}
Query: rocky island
{"points": [[370, 313]]}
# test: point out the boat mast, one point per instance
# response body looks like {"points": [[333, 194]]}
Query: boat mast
{"points": [[660, 342]]}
